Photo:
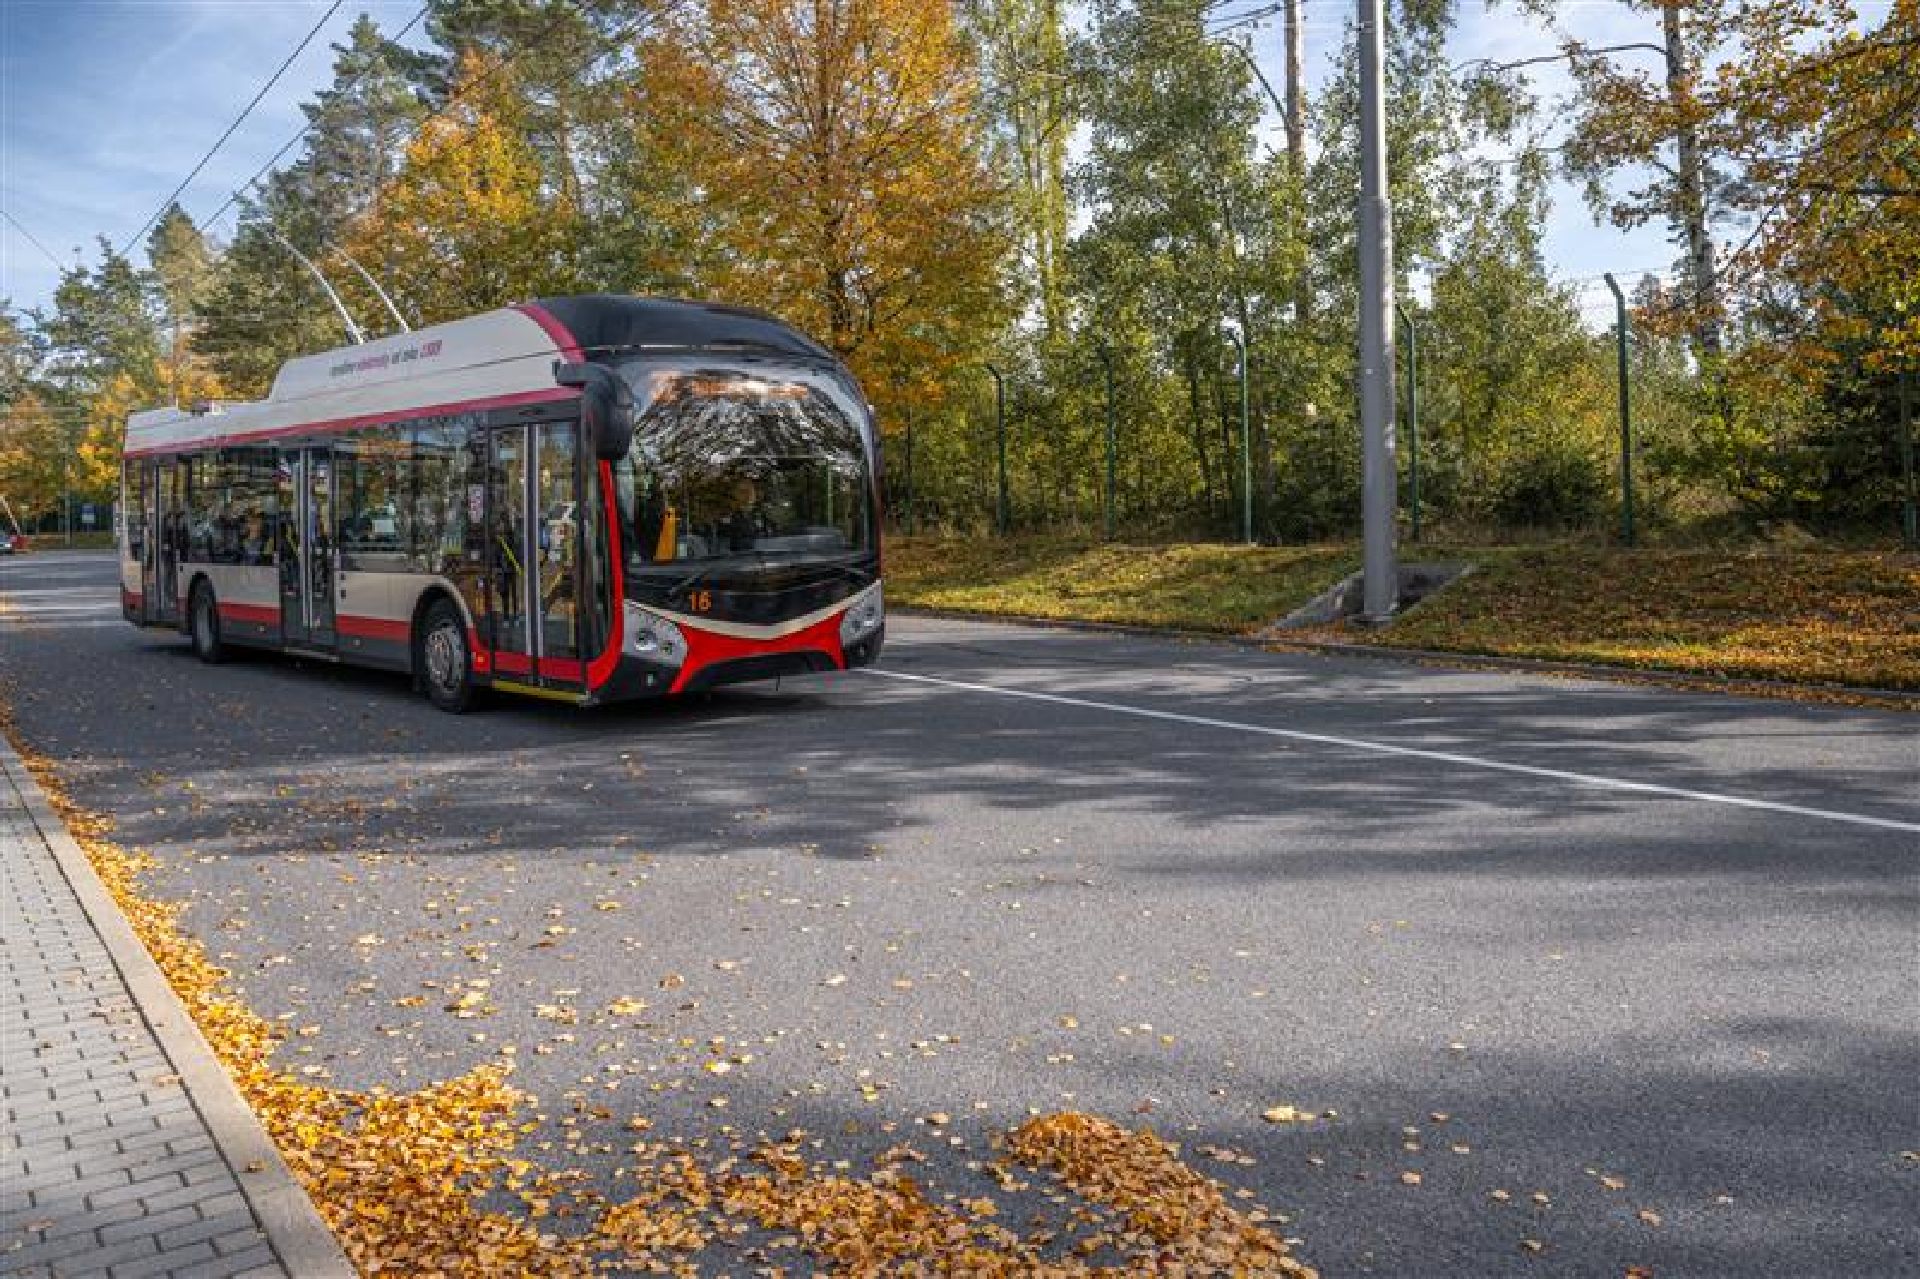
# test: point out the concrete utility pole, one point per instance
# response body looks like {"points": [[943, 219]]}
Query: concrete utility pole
{"points": [[1379, 479]]}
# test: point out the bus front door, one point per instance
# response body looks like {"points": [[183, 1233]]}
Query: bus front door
{"points": [[305, 548], [533, 512]]}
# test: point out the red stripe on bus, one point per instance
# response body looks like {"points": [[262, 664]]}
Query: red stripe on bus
{"points": [[512, 663], [248, 613], [335, 425], [379, 628], [704, 648], [562, 336], [601, 669], [561, 667]]}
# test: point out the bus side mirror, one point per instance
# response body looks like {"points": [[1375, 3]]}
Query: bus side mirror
{"points": [[606, 406]]}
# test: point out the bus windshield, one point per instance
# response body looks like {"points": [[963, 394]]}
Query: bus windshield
{"points": [[740, 465]]}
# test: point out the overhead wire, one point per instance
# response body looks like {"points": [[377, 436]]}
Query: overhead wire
{"points": [[32, 239], [237, 122], [259, 173]]}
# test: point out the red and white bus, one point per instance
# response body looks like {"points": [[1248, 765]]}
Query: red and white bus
{"points": [[588, 499]]}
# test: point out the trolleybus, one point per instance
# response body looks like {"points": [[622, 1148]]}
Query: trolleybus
{"points": [[588, 499]]}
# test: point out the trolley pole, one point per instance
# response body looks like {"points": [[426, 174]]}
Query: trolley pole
{"points": [[1002, 511], [1239, 341], [1379, 483], [1413, 416], [1626, 412], [1911, 520], [1113, 451]]}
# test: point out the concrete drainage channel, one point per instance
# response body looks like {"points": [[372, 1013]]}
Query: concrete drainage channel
{"points": [[1343, 599]]}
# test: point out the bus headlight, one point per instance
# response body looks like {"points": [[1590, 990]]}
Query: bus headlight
{"points": [[655, 638], [864, 617]]}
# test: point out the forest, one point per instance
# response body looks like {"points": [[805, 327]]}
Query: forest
{"points": [[1022, 220]]}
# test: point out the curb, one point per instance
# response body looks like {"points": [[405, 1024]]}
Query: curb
{"points": [[1903, 699], [287, 1217], [1701, 681]]}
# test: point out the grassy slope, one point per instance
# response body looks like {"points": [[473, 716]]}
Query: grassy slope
{"points": [[1850, 617], [1194, 587], [1847, 617]]}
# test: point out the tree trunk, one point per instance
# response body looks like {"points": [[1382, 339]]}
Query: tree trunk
{"points": [[1692, 211]]}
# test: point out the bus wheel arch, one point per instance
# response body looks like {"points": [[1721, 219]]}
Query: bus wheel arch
{"points": [[203, 621], [442, 658]]}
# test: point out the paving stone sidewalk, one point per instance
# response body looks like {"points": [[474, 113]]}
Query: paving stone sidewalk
{"points": [[123, 1146]]}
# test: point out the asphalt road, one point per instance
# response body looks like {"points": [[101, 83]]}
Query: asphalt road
{"points": [[1614, 935]]}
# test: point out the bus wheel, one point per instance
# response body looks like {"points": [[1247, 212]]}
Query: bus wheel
{"points": [[204, 626], [445, 666]]}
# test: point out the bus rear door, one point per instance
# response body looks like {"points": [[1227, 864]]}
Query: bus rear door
{"points": [[306, 548], [164, 506]]}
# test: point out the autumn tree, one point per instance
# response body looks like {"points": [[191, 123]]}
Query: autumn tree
{"points": [[33, 430], [838, 177], [104, 356], [468, 224]]}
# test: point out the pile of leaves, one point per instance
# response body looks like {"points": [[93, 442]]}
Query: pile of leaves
{"points": [[1177, 1221]]}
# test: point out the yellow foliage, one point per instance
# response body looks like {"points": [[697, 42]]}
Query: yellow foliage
{"points": [[467, 224], [840, 182]]}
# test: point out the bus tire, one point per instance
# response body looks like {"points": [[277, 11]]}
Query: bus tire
{"points": [[203, 625], [443, 663]]}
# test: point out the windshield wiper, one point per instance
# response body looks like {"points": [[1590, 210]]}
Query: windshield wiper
{"points": [[693, 579]]}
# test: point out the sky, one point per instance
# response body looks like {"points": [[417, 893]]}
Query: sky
{"points": [[105, 105]]}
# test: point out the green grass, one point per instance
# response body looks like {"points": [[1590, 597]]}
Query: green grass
{"points": [[1847, 617], [1196, 587]]}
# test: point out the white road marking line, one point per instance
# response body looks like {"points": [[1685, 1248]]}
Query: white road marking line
{"points": [[1415, 752]]}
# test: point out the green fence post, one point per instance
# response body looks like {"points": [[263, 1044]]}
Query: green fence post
{"points": [[1911, 520], [1113, 454], [1413, 416], [1001, 512], [1246, 443], [910, 528], [1626, 414]]}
